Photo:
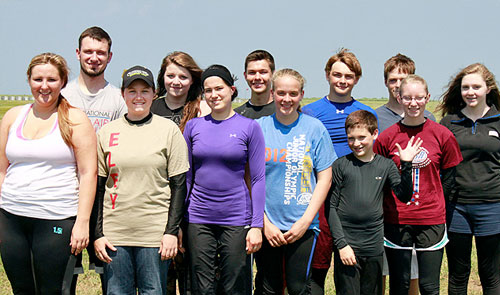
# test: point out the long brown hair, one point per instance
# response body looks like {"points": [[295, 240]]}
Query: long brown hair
{"points": [[192, 105], [62, 104], [452, 99]]}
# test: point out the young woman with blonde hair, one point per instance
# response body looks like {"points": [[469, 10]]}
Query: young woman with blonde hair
{"points": [[299, 155], [419, 224], [48, 172]]}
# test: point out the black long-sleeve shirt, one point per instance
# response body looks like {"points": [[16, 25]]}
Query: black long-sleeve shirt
{"points": [[478, 175], [356, 214]]}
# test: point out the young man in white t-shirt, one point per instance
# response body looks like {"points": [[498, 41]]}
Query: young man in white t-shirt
{"points": [[90, 92], [101, 102]]}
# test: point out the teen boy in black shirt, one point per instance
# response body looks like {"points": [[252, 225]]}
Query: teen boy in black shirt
{"points": [[259, 69]]}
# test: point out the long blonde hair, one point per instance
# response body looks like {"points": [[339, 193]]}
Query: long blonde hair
{"points": [[62, 104]]}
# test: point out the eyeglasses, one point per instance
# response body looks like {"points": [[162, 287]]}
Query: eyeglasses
{"points": [[408, 99]]}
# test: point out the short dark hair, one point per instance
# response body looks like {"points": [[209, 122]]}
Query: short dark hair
{"points": [[361, 119], [95, 33], [260, 54]]}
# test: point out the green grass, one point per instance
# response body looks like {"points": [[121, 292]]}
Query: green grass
{"points": [[5, 105], [89, 283]]}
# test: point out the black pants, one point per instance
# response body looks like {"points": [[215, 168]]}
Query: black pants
{"points": [[459, 250], [399, 260], [318, 276], [429, 268], [94, 262], [204, 241], [365, 277], [178, 271], [35, 252], [288, 263]]}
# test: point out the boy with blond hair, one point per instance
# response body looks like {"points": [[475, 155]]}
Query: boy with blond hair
{"points": [[342, 72]]}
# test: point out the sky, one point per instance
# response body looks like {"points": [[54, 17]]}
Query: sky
{"points": [[441, 36]]}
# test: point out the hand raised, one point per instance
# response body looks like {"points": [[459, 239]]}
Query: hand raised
{"points": [[411, 150]]}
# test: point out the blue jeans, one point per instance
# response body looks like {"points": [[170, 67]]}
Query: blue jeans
{"points": [[136, 269]]}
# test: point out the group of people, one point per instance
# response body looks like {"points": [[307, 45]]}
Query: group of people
{"points": [[164, 179]]}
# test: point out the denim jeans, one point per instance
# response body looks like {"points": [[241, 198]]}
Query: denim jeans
{"points": [[136, 269]]}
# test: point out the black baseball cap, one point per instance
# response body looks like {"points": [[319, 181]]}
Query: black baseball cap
{"points": [[138, 72]]}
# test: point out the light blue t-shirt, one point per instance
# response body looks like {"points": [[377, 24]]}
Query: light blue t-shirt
{"points": [[294, 154]]}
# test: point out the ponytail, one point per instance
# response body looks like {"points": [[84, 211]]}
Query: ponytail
{"points": [[63, 119], [62, 105]]}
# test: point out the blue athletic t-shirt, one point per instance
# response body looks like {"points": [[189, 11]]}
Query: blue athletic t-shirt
{"points": [[333, 115], [294, 154]]}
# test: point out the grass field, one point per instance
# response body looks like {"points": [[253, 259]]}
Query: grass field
{"points": [[5, 105], [89, 284]]}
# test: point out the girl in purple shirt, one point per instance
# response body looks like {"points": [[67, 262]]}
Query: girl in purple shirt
{"points": [[224, 216]]}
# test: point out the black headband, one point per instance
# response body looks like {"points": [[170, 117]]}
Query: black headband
{"points": [[224, 75]]}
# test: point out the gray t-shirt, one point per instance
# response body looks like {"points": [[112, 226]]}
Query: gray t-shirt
{"points": [[387, 118], [101, 108]]}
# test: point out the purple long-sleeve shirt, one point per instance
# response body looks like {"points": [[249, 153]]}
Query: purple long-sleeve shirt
{"points": [[218, 153]]}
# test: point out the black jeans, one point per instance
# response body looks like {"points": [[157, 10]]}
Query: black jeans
{"points": [[48, 242], [459, 250], [289, 263], [365, 277], [204, 243]]}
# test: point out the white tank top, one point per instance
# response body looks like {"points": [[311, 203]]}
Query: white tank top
{"points": [[41, 180]]}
